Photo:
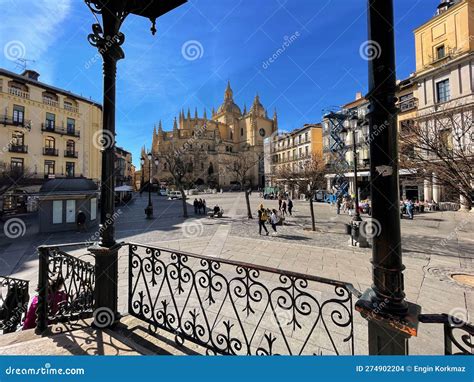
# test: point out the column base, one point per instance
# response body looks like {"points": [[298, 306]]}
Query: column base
{"points": [[388, 333]]}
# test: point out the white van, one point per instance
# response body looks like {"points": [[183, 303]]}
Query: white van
{"points": [[174, 195]]}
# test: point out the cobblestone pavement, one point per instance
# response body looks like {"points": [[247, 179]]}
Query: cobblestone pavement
{"points": [[435, 245]]}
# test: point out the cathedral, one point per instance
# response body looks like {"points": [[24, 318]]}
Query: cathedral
{"points": [[206, 143]]}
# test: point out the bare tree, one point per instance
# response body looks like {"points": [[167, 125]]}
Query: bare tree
{"points": [[240, 164], [180, 172], [438, 147]]}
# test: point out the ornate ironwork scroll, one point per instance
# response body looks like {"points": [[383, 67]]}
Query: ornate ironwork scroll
{"points": [[457, 333], [13, 303], [237, 308], [66, 286]]}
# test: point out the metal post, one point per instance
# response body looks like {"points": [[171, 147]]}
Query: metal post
{"points": [[391, 319], [356, 217], [42, 306]]}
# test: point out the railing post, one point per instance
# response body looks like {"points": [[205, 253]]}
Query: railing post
{"points": [[448, 346], [42, 306]]}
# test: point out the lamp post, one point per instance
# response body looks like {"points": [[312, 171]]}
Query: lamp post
{"points": [[149, 208], [108, 39], [392, 320], [354, 124]]}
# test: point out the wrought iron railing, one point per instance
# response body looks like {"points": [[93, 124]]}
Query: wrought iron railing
{"points": [[13, 303], [66, 286], [231, 307], [458, 335]]}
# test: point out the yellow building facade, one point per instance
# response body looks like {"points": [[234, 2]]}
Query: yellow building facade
{"points": [[46, 132]]}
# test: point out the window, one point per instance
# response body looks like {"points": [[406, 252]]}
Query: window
{"points": [[300, 138], [18, 138], [442, 91], [70, 147], [70, 169], [440, 52], [49, 167], [306, 137], [242, 131], [93, 208], [49, 146], [16, 165], [18, 114], [307, 150], [57, 211], [446, 140], [301, 152], [50, 121], [71, 125], [70, 211], [231, 134]]}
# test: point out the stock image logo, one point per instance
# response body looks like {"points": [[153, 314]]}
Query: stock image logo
{"points": [[192, 50], [192, 229], [370, 228], [13, 50], [103, 317], [370, 50], [14, 228], [103, 139], [457, 317]]}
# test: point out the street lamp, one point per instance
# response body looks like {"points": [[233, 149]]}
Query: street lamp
{"points": [[354, 124], [149, 208], [108, 39]]}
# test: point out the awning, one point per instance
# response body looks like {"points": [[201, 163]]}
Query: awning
{"points": [[124, 189]]}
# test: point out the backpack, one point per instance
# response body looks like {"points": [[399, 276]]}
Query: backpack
{"points": [[264, 216]]}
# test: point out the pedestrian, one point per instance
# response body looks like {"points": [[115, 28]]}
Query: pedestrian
{"points": [[204, 211], [280, 202], [199, 206], [262, 218], [290, 206], [338, 206], [195, 204], [274, 219], [410, 207], [283, 208], [81, 221]]}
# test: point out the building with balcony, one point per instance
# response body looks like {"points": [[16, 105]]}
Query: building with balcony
{"points": [[444, 74], [290, 151], [125, 170], [46, 132]]}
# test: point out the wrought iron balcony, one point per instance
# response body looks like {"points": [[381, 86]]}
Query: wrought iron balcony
{"points": [[14, 148], [70, 154], [407, 105], [10, 121], [51, 128], [13, 303], [50, 151]]}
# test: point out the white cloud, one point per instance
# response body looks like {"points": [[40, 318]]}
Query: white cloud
{"points": [[34, 24]]}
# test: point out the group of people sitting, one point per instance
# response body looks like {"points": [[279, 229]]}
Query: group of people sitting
{"points": [[409, 207]]}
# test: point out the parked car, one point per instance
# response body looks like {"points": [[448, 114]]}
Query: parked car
{"points": [[173, 195]]}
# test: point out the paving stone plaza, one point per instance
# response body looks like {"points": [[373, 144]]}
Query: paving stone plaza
{"points": [[436, 245]]}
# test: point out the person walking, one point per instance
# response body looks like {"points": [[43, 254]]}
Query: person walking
{"points": [[204, 209], [283, 208], [195, 204], [410, 207], [290, 206], [262, 218], [274, 221], [280, 201], [338, 206]]}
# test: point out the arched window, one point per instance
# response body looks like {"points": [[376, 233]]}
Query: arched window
{"points": [[18, 138], [50, 143], [70, 146]]}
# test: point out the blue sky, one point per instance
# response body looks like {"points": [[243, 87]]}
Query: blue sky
{"points": [[320, 69]]}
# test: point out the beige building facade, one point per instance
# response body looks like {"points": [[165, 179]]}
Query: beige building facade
{"points": [[46, 132]]}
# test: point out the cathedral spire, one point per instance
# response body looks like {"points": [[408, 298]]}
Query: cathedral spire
{"points": [[175, 125], [189, 113], [245, 108], [229, 94], [205, 114], [196, 113]]}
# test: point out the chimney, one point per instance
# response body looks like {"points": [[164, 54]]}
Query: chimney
{"points": [[31, 75], [358, 96]]}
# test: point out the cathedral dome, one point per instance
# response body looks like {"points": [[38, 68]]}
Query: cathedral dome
{"points": [[229, 106]]}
